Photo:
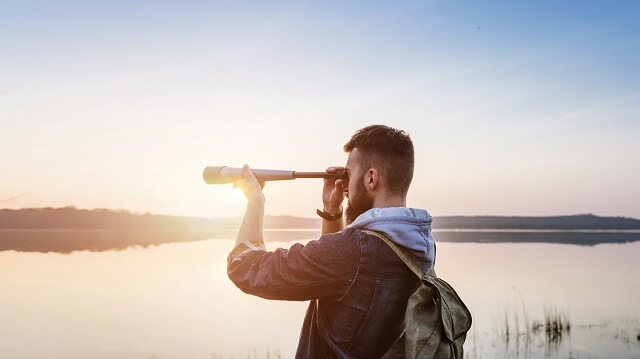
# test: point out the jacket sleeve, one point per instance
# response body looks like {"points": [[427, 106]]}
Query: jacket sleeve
{"points": [[321, 269]]}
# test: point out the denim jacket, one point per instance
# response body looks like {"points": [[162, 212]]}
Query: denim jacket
{"points": [[357, 286]]}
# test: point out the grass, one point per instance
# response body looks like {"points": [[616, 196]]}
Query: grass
{"points": [[253, 354], [556, 324], [518, 331]]}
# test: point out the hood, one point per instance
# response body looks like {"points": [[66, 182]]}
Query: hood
{"points": [[408, 227]]}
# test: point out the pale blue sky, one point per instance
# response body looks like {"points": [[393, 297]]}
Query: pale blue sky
{"points": [[515, 108]]}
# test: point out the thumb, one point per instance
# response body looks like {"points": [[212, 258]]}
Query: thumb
{"points": [[246, 172], [248, 175]]}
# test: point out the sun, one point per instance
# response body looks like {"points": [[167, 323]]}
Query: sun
{"points": [[236, 192]]}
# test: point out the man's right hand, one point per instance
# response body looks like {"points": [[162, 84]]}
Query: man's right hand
{"points": [[334, 191]]}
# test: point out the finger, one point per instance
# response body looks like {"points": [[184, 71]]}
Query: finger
{"points": [[262, 185], [329, 181], [248, 175], [239, 183], [331, 169]]}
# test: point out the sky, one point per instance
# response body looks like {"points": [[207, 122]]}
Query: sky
{"points": [[514, 108]]}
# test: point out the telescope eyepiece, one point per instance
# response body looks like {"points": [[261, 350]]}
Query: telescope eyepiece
{"points": [[341, 174]]}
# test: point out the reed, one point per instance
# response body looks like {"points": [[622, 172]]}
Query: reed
{"points": [[252, 354], [517, 330], [556, 324], [506, 326], [536, 327]]}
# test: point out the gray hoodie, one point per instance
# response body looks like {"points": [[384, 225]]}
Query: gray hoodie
{"points": [[408, 227]]}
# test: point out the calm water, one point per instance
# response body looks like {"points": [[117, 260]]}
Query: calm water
{"points": [[175, 301]]}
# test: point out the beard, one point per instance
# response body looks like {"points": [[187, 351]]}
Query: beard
{"points": [[358, 204]]}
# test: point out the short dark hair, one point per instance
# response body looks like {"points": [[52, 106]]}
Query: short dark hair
{"points": [[388, 149]]}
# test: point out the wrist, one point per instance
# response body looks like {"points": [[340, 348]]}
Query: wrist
{"points": [[257, 198], [329, 216], [332, 209]]}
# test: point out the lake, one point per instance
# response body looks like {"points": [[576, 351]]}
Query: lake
{"points": [[175, 301]]}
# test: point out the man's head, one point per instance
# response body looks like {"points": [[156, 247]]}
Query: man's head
{"points": [[380, 168]]}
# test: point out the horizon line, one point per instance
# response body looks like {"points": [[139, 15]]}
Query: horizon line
{"points": [[293, 216]]}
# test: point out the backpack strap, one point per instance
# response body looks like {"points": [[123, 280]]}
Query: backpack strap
{"points": [[406, 257]]}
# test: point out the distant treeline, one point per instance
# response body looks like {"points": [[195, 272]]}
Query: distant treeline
{"points": [[73, 218], [580, 221], [69, 229]]}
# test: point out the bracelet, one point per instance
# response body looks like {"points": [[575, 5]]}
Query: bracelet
{"points": [[329, 217]]}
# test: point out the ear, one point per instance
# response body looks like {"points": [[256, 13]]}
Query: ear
{"points": [[372, 179]]}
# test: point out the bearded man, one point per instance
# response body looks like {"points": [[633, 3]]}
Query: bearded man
{"points": [[357, 286]]}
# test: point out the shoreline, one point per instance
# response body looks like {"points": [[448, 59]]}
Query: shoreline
{"points": [[67, 240]]}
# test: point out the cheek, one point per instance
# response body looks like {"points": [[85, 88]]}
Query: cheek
{"points": [[351, 189]]}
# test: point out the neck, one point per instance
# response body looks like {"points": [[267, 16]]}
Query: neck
{"points": [[383, 202]]}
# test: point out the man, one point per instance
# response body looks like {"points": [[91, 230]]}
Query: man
{"points": [[357, 286]]}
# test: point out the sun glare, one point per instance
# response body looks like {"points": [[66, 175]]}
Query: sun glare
{"points": [[237, 192]]}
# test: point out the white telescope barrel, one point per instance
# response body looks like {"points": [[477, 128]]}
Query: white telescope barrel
{"points": [[224, 174]]}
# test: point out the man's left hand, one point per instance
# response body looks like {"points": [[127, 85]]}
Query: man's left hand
{"points": [[250, 186]]}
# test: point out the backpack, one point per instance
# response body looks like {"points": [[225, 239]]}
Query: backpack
{"points": [[436, 319]]}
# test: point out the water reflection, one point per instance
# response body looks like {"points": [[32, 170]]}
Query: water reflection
{"points": [[96, 240], [583, 238], [174, 300]]}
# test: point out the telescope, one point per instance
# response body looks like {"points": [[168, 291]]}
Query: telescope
{"points": [[224, 174]]}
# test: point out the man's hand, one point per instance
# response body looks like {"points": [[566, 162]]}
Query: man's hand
{"points": [[250, 185], [333, 192], [251, 228]]}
